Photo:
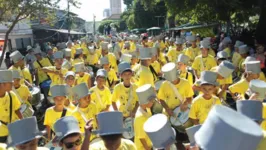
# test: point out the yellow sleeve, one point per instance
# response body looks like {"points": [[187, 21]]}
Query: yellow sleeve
{"points": [[190, 78], [195, 64], [46, 121], [114, 96], [193, 111], [162, 92]]}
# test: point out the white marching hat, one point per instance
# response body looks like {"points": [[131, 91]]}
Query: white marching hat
{"points": [[80, 67], [250, 108], [183, 58], [124, 66], [66, 64], [191, 38], [104, 45], [70, 73], [226, 129], [238, 43], [258, 86], [16, 56], [64, 127], [208, 77], [145, 93], [248, 59], [170, 72], [222, 55], [154, 51], [22, 131], [101, 73], [126, 58], [253, 67], [104, 60], [58, 55], [225, 69], [29, 48], [205, 44], [179, 41], [79, 50], [6, 76], [127, 44], [16, 74], [37, 50], [159, 130], [107, 128], [145, 53], [191, 132], [58, 90], [81, 91], [67, 52], [243, 49]]}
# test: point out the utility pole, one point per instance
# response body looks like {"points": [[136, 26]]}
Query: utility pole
{"points": [[94, 32], [68, 20]]}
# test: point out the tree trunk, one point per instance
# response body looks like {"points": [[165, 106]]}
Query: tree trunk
{"points": [[261, 30]]}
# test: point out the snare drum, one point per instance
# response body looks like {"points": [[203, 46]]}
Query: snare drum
{"points": [[181, 121], [128, 124], [36, 96], [26, 111]]}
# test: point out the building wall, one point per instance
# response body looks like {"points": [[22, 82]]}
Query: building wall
{"points": [[106, 13], [115, 6]]}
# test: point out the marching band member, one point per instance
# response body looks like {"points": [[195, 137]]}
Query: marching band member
{"points": [[244, 52], [124, 96], [18, 61], [86, 109], [9, 103], [111, 134], [111, 57], [227, 129], [143, 75], [133, 43], [81, 75], [175, 91], [155, 66], [70, 82], [67, 63], [174, 52], [57, 111], [126, 48], [211, 51], [192, 51], [92, 58], [248, 59], [111, 79], [182, 63], [227, 46], [24, 134], [78, 57], [100, 94], [236, 56], [146, 95], [202, 104], [203, 62]]}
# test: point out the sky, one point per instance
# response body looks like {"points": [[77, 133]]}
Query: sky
{"points": [[89, 7]]}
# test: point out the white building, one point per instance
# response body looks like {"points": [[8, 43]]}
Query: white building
{"points": [[115, 7]]}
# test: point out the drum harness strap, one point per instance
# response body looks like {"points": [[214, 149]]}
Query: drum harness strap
{"points": [[98, 97], [42, 67], [10, 110], [155, 75]]}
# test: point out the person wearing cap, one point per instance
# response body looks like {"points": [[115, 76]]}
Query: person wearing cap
{"points": [[192, 51], [53, 113], [67, 133], [173, 54], [70, 79], [146, 95], [134, 59], [56, 73], [100, 94], [24, 135], [175, 91], [227, 46], [238, 89], [143, 74], [50, 54], [126, 48], [236, 56], [203, 62], [18, 61], [226, 129], [9, 113], [22, 90], [81, 75], [27, 75], [171, 43], [133, 42], [124, 93], [30, 58], [244, 53], [155, 66], [92, 57], [148, 41], [182, 63], [78, 57], [67, 56], [203, 103], [111, 79], [110, 134], [86, 109], [111, 56]]}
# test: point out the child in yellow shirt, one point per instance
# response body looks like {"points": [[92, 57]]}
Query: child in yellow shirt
{"points": [[82, 76], [111, 79], [173, 53], [70, 82], [182, 62], [202, 104]]}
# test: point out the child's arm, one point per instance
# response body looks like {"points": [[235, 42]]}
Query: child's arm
{"points": [[48, 131], [114, 106], [195, 121], [144, 143], [19, 114]]}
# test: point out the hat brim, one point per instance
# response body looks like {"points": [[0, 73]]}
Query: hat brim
{"points": [[127, 69], [207, 82], [98, 132], [37, 136], [58, 139]]}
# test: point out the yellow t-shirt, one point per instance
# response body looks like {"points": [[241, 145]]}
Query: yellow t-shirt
{"points": [[188, 76], [4, 111], [263, 124], [203, 64], [125, 145], [162, 46], [161, 58], [99, 52], [167, 94], [41, 74], [262, 144], [121, 95], [51, 116], [228, 80], [236, 59], [112, 77], [92, 59], [240, 87], [24, 92], [144, 76], [27, 75], [102, 98], [173, 54], [84, 79], [89, 113], [228, 51], [156, 66], [132, 46], [192, 52], [112, 61], [56, 79], [140, 118], [20, 73], [201, 107]]}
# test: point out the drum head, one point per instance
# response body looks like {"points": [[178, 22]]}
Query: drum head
{"points": [[181, 117], [128, 124]]}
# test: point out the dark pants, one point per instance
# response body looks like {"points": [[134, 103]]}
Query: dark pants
{"points": [[3, 139]]}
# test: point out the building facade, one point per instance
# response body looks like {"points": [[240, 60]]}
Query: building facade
{"points": [[106, 13], [115, 7]]}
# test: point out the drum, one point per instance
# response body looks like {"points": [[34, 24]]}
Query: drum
{"points": [[181, 121], [26, 111], [157, 108], [46, 84], [158, 84], [128, 124], [36, 96]]}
